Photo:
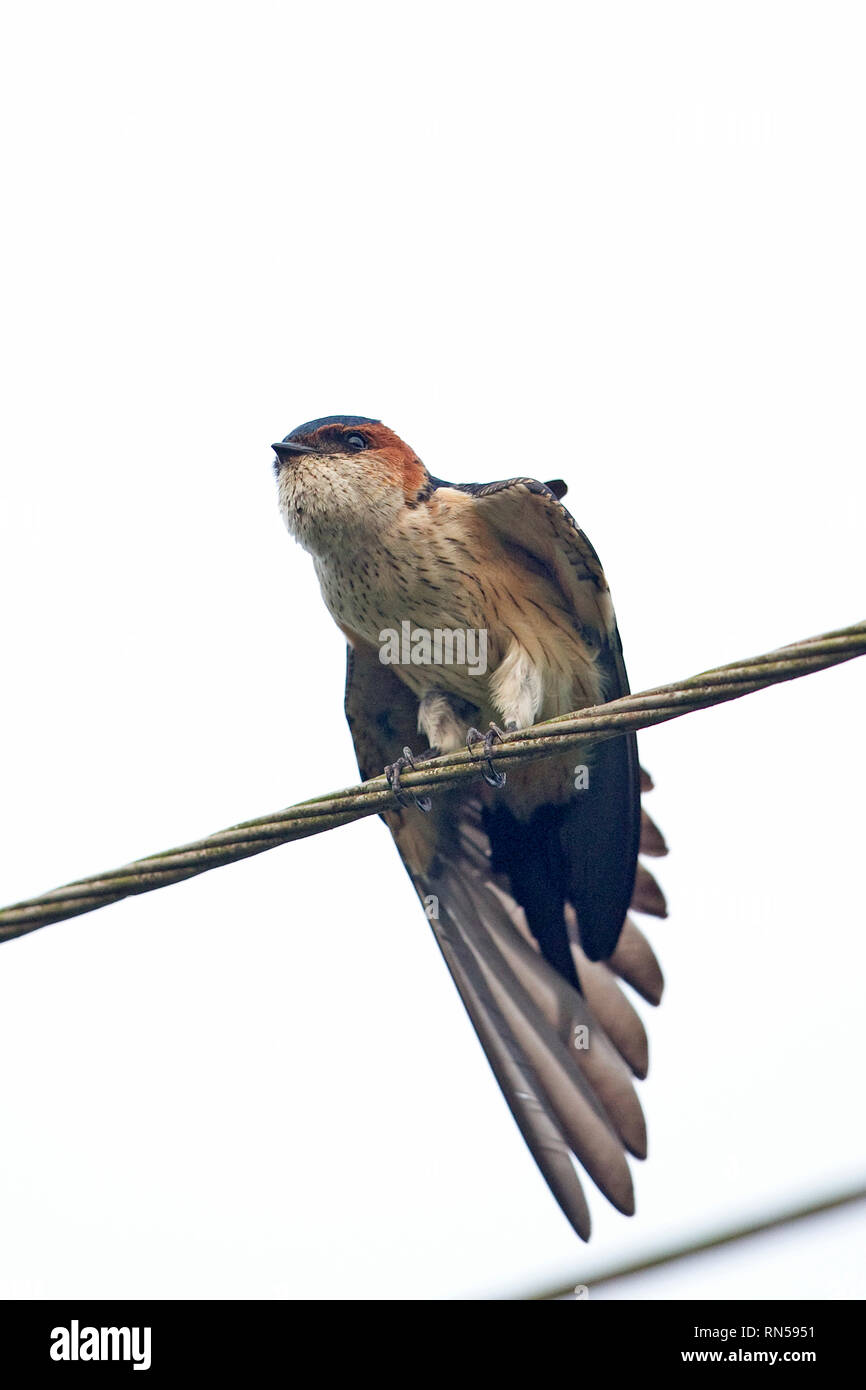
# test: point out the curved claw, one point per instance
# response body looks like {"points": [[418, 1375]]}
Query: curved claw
{"points": [[392, 776], [488, 771]]}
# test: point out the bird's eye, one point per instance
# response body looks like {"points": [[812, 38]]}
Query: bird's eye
{"points": [[355, 441]]}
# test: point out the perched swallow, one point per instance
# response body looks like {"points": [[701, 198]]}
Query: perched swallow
{"points": [[527, 885]]}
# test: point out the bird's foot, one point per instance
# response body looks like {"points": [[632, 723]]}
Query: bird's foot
{"points": [[488, 771], [392, 776]]}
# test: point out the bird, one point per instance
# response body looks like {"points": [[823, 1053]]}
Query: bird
{"points": [[529, 879]]}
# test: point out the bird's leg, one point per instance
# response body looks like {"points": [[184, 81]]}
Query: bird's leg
{"points": [[494, 733], [392, 776], [442, 719], [517, 689]]}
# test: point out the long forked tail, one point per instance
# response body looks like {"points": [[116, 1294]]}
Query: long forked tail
{"points": [[565, 1059]]}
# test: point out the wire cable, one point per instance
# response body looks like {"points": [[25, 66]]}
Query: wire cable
{"points": [[640, 711]]}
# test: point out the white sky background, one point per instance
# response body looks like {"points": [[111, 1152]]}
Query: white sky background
{"points": [[621, 244]]}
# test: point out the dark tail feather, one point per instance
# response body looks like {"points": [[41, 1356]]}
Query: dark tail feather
{"points": [[599, 836]]}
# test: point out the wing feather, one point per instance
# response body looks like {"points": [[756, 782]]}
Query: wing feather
{"points": [[600, 830]]}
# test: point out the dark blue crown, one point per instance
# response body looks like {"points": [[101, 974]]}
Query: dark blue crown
{"points": [[310, 425]]}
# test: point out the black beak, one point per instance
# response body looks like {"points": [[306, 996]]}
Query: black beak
{"points": [[284, 450]]}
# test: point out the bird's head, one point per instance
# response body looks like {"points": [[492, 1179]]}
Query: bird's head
{"points": [[338, 475]]}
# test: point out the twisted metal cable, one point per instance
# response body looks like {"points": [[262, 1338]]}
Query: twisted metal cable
{"points": [[663, 1258], [558, 735]]}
